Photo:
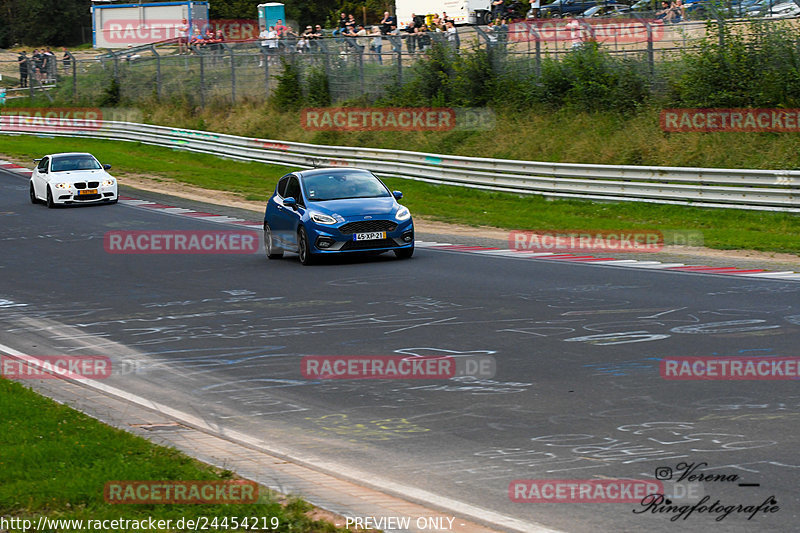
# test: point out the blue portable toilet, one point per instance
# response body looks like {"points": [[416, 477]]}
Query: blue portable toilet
{"points": [[268, 14]]}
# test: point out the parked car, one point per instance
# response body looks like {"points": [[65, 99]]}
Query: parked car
{"points": [[562, 8], [333, 211], [72, 178], [607, 10]]}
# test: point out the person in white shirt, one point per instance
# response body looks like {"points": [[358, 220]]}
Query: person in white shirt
{"points": [[575, 31], [183, 36]]}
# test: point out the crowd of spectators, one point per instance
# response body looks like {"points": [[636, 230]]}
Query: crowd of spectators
{"points": [[671, 13], [41, 65]]}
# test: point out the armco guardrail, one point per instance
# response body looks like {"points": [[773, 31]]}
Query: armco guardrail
{"points": [[769, 190]]}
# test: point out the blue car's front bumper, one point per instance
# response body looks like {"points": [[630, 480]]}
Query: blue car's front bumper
{"points": [[340, 238]]}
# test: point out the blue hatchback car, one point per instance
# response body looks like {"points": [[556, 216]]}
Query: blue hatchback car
{"points": [[332, 210]]}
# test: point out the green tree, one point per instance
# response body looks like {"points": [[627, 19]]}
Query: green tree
{"points": [[44, 22]]}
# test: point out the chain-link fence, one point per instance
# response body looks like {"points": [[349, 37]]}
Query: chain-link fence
{"points": [[354, 67]]}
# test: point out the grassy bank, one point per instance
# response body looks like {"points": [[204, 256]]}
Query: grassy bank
{"points": [[564, 136], [55, 462], [721, 228]]}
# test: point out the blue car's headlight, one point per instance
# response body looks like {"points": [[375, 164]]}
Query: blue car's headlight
{"points": [[403, 214], [321, 218]]}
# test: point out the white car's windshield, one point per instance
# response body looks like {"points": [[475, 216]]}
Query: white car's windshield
{"points": [[341, 184], [74, 162]]}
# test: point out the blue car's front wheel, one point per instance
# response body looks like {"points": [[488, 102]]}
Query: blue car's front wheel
{"points": [[304, 247], [273, 251]]}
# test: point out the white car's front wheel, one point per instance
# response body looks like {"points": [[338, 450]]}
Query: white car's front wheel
{"points": [[50, 202]]}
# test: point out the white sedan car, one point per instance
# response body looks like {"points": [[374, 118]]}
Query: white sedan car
{"points": [[72, 178]]}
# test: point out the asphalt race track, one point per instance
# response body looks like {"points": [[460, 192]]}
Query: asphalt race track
{"points": [[577, 394]]}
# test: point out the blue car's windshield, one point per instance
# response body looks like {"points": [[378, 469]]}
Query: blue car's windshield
{"points": [[341, 184], [74, 162]]}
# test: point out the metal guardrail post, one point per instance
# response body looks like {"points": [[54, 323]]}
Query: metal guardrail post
{"points": [[233, 75], [202, 81], [158, 71], [74, 68], [651, 59], [265, 58], [31, 77]]}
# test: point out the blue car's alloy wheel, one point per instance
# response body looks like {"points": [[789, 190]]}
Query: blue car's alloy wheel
{"points": [[273, 251], [304, 248]]}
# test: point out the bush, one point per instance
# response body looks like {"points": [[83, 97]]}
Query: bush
{"points": [[760, 69], [591, 80], [288, 95], [318, 94]]}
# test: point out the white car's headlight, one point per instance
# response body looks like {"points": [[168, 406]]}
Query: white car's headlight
{"points": [[63, 185], [403, 214], [323, 219], [108, 183]]}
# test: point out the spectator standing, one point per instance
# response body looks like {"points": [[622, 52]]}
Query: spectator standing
{"points": [[52, 65], [280, 29], [498, 9], [66, 59], [679, 11], [342, 25], [387, 22], [304, 43], [377, 44], [290, 39], [575, 31], [24, 67], [452, 35], [446, 19], [397, 43], [535, 6], [183, 36], [423, 38], [411, 38], [38, 65], [272, 43]]}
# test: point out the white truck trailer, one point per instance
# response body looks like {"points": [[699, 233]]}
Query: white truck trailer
{"points": [[124, 25], [461, 11]]}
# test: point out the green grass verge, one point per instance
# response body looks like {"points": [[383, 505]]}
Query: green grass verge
{"points": [[55, 462], [721, 228]]}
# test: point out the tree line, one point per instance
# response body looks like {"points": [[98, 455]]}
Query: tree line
{"points": [[69, 22]]}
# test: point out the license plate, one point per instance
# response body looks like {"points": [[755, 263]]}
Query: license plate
{"points": [[87, 191], [375, 235]]}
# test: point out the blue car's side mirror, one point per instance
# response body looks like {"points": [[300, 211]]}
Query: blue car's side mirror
{"points": [[397, 195], [290, 202], [107, 167]]}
